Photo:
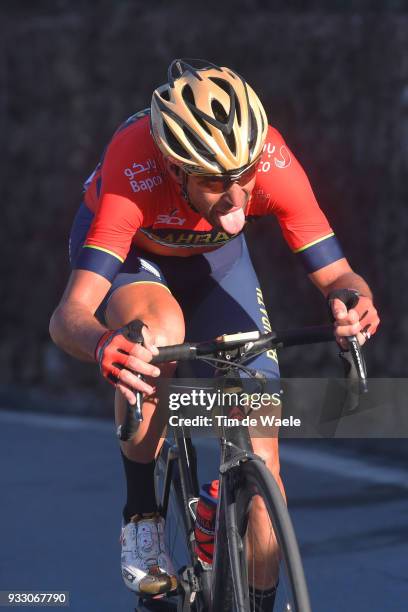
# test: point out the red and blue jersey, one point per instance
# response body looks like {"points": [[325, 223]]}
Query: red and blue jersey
{"points": [[136, 202]]}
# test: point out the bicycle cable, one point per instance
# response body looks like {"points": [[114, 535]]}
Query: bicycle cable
{"points": [[214, 360]]}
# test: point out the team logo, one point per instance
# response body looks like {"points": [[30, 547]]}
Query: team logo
{"points": [[146, 184], [149, 165], [280, 159], [170, 219], [175, 237], [284, 159]]}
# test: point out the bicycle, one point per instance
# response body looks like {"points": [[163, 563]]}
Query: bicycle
{"points": [[225, 584]]}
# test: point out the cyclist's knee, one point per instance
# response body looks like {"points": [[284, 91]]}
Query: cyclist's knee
{"points": [[152, 304], [166, 335]]}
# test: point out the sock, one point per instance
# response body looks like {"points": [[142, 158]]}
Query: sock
{"points": [[263, 600], [141, 498]]}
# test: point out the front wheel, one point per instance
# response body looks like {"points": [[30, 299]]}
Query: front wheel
{"points": [[249, 546], [178, 514]]}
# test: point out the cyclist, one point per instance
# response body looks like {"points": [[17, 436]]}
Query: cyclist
{"points": [[159, 239]]}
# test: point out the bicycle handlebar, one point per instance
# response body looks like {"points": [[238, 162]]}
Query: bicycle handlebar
{"points": [[252, 343], [295, 337]]}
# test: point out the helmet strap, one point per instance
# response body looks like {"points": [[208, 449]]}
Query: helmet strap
{"points": [[184, 193], [175, 172]]}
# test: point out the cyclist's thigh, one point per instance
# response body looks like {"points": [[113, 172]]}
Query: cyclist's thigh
{"points": [[231, 300], [140, 291]]}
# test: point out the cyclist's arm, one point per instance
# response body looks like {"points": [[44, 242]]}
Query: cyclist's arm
{"points": [[73, 326], [309, 235], [287, 194], [364, 316], [339, 275]]}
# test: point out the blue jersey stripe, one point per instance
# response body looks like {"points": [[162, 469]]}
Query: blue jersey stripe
{"points": [[321, 254], [98, 261]]}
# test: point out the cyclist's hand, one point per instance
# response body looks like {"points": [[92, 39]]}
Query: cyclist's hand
{"points": [[122, 361], [361, 321]]}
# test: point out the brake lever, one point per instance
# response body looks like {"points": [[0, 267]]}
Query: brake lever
{"points": [[353, 359], [354, 363], [134, 414]]}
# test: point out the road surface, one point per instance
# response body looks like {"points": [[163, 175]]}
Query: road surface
{"points": [[62, 492]]}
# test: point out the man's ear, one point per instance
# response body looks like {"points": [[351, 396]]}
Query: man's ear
{"points": [[175, 171]]}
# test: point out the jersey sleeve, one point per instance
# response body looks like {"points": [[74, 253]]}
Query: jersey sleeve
{"points": [[117, 218], [291, 198]]}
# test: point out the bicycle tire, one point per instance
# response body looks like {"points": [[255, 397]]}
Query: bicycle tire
{"points": [[175, 503], [254, 478], [177, 528]]}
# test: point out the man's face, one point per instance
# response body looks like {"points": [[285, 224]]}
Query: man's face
{"points": [[225, 210], [222, 204]]}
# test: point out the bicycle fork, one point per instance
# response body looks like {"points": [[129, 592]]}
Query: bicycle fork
{"points": [[236, 448]]}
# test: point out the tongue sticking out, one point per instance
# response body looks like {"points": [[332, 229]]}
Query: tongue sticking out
{"points": [[232, 222]]}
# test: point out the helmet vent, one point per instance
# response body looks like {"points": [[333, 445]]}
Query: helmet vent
{"points": [[197, 144], [238, 109], [201, 122], [253, 132], [174, 143], [165, 95], [219, 112], [225, 86], [188, 95], [230, 140]]}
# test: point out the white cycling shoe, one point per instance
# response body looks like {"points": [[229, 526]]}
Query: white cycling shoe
{"points": [[146, 566]]}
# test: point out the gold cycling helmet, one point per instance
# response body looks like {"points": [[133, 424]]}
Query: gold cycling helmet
{"points": [[207, 119]]}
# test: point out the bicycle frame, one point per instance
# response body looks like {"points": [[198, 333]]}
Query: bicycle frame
{"points": [[235, 447]]}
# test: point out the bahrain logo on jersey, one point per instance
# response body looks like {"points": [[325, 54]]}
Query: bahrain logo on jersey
{"points": [[281, 158]]}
